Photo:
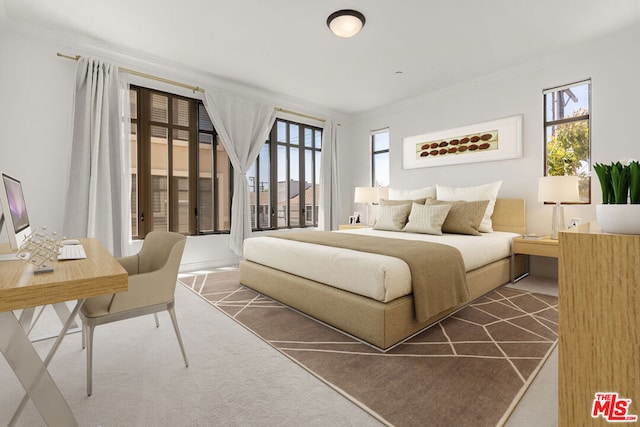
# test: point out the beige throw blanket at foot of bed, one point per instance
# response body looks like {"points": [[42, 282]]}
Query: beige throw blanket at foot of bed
{"points": [[437, 271]]}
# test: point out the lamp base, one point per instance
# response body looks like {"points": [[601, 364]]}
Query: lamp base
{"points": [[557, 220], [370, 218]]}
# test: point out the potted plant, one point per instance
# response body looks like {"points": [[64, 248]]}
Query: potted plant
{"points": [[620, 208]]}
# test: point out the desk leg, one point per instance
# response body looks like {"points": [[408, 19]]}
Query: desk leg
{"points": [[26, 317], [63, 314], [32, 371], [28, 322]]}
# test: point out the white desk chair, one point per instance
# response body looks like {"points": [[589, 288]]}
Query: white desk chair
{"points": [[153, 274]]}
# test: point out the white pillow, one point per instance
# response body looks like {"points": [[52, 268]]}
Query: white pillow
{"points": [[427, 219], [420, 193], [472, 194], [392, 218]]}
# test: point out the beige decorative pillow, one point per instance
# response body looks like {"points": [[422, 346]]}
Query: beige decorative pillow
{"points": [[427, 219], [463, 217], [392, 218], [474, 193]]}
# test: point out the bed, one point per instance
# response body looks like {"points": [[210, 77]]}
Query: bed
{"points": [[386, 315]]}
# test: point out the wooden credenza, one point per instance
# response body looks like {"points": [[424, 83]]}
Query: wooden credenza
{"points": [[599, 322]]}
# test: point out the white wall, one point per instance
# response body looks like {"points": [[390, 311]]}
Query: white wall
{"points": [[611, 63], [35, 113], [36, 97]]}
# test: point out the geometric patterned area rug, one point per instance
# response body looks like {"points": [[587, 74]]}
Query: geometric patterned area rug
{"points": [[470, 369]]}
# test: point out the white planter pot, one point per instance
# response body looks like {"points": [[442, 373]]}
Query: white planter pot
{"points": [[619, 219]]}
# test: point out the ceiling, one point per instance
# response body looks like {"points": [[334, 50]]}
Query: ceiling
{"points": [[284, 46]]}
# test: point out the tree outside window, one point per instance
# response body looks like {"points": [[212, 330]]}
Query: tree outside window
{"points": [[567, 123]]}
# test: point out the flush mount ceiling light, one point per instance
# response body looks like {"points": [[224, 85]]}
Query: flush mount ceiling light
{"points": [[346, 23]]}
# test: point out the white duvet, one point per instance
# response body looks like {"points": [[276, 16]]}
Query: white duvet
{"points": [[375, 276]]}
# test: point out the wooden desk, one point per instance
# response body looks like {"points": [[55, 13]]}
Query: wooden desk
{"points": [[98, 274]]}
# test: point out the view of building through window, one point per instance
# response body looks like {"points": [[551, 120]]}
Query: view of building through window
{"points": [[214, 178], [289, 164], [567, 130], [182, 177], [177, 163]]}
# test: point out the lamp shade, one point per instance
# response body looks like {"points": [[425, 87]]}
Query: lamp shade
{"points": [[366, 195], [346, 23], [558, 189], [383, 192]]}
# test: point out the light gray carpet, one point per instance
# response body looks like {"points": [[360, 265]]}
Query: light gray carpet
{"points": [[234, 379], [539, 406]]}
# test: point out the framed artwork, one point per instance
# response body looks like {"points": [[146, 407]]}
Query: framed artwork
{"points": [[358, 217], [352, 220], [481, 142]]}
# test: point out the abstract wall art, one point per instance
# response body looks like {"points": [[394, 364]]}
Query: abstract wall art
{"points": [[481, 142]]}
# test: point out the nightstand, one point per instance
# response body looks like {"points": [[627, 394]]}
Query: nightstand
{"points": [[545, 246], [351, 226]]}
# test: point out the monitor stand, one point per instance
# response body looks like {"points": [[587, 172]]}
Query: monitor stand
{"points": [[10, 256]]}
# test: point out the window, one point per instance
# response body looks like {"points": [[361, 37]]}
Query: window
{"points": [[259, 177], [180, 172], [380, 158], [284, 182], [567, 130]]}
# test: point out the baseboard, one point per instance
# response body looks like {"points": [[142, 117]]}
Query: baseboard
{"points": [[209, 264]]}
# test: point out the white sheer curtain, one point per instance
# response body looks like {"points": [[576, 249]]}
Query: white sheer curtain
{"points": [[329, 194], [98, 187], [243, 126]]}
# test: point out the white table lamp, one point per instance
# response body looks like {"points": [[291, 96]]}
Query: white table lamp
{"points": [[558, 189], [367, 195]]}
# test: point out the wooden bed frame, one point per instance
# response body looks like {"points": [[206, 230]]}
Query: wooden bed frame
{"points": [[382, 325]]}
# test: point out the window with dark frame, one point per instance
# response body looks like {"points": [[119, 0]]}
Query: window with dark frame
{"points": [[284, 181], [567, 133], [380, 158], [181, 175]]}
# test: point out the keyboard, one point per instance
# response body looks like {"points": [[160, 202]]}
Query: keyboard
{"points": [[71, 252]]}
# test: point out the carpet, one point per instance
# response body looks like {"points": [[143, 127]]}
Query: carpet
{"points": [[469, 369], [139, 378]]}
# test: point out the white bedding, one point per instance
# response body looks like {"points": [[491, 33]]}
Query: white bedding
{"points": [[375, 276]]}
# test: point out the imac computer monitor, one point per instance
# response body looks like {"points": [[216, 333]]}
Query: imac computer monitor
{"points": [[14, 211]]}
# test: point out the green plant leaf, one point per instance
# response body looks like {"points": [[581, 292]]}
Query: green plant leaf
{"points": [[604, 176], [634, 182], [620, 182]]}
